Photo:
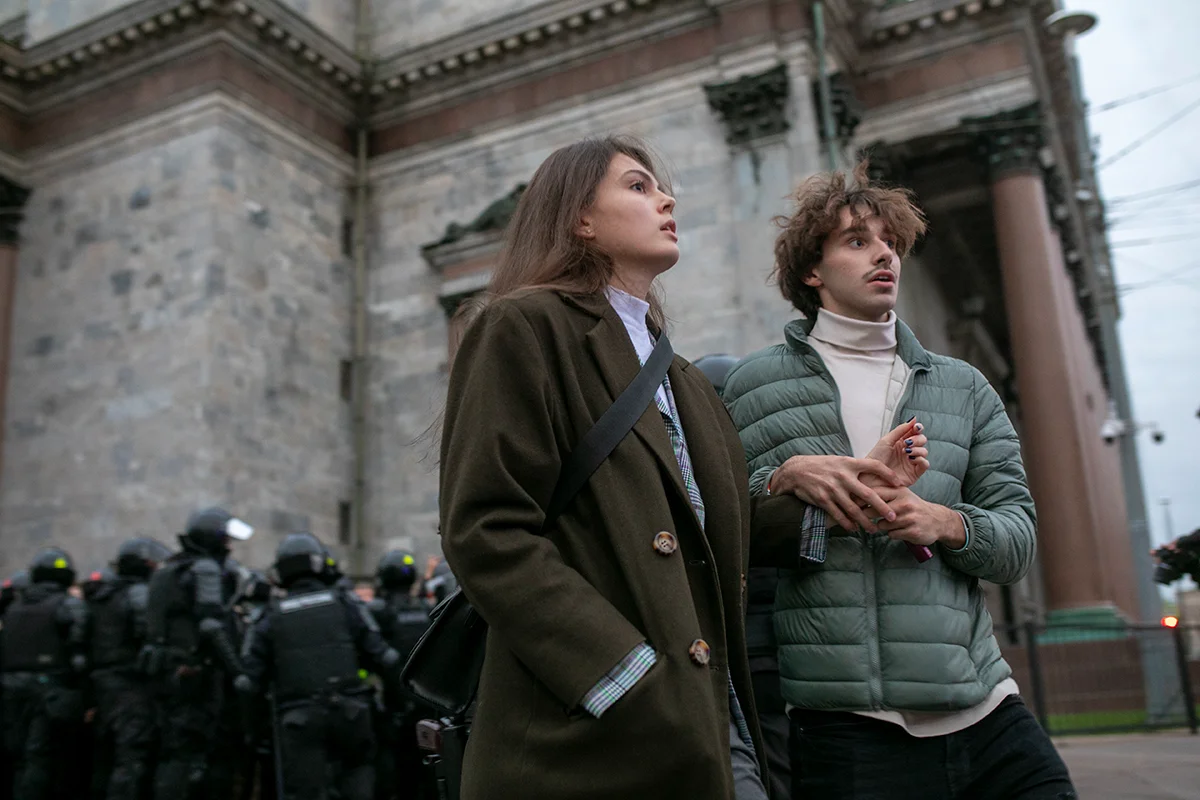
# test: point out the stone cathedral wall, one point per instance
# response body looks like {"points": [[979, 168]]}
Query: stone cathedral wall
{"points": [[182, 307]]}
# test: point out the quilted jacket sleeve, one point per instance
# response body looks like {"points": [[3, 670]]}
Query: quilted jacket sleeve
{"points": [[996, 497]]}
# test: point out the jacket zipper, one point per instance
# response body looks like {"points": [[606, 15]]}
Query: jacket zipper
{"points": [[875, 671], [875, 675], [875, 681]]}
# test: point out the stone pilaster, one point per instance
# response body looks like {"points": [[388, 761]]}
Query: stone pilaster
{"points": [[12, 204]]}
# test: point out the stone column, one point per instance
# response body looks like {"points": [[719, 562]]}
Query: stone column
{"points": [[1053, 441], [12, 200]]}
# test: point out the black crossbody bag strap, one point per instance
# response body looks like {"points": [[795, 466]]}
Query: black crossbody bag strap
{"points": [[613, 426]]}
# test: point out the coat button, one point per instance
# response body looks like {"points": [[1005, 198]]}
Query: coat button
{"points": [[700, 651], [665, 543]]}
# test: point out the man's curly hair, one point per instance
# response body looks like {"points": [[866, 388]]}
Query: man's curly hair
{"points": [[819, 201]]}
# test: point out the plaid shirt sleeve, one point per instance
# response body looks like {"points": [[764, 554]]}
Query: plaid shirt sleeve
{"points": [[814, 535], [619, 680]]}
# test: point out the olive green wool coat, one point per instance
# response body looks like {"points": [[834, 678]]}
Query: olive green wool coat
{"points": [[871, 628], [530, 377]]}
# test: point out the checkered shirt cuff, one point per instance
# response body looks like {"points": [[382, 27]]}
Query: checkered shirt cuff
{"points": [[814, 535], [619, 680]]}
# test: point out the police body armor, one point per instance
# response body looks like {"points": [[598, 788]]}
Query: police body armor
{"points": [[112, 636], [175, 591], [402, 621], [761, 583], [314, 653], [33, 641]]}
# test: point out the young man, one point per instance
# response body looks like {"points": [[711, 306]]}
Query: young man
{"points": [[894, 681]]}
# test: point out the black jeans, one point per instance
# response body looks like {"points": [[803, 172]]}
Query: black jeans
{"points": [[1005, 756]]}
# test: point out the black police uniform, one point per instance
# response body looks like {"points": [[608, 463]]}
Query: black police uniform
{"points": [[307, 651], [41, 666], [192, 659], [402, 620], [9, 592], [124, 726]]}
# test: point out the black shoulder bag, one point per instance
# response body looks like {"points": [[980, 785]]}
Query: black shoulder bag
{"points": [[443, 669]]}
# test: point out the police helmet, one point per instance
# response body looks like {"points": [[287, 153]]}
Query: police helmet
{"points": [[96, 580], [52, 564], [210, 529], [397, 571], [140, 556], [331, 572], [13, 586], [18, 581], [716, 368], [299, 555]]}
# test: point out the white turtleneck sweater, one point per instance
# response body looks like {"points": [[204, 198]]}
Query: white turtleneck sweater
{"points": [[861, 356], [870, 378]]}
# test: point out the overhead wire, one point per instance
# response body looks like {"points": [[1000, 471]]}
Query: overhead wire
{"points": [[1141, 140], [1142, 95]]}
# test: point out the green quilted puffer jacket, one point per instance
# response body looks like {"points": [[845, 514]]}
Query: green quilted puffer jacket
{"points": [[871, 628]]}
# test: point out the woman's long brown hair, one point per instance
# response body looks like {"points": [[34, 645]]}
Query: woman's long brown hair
{"points": [[542, 249]]}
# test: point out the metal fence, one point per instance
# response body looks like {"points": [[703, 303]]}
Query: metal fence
{"points": [[1100, 680]]}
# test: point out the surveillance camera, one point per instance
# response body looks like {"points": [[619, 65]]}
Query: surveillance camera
{"points": [[1111, 429], [1109, 438], [1158, 437]]}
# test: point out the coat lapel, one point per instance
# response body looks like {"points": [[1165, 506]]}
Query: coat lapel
{"points": [[614, 354]]}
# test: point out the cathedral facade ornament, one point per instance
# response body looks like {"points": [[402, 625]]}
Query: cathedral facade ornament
{"points": [[752, 107]]}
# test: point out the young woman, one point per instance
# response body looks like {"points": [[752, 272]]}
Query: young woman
{"points": [[616, 657]]}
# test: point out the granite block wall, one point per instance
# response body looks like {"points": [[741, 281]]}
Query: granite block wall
{"points": [[181, 313], [337, 18], [48, 18], [11, 8], [405, 24]]}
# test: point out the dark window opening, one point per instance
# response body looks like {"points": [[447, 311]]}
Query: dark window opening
{"points": [[347, 238], [343, 522], [346, 379]]}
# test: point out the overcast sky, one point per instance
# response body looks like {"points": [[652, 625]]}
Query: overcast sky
{"points": [[1140, 45]]}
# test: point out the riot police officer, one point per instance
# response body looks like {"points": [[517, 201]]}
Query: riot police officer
{"points": [[192, 658], [307, 651], [9, 591], [12, 588], [41, 666], [402, 619], [124, 725], [760, 636]]}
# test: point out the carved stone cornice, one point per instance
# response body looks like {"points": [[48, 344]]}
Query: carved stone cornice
{"points": [[1010, 140], [901, 20], [135, 33], [502, 51], [12, 203], [752, 107]]}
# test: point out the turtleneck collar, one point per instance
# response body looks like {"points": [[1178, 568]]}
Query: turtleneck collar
{"points": [[854, 334]]}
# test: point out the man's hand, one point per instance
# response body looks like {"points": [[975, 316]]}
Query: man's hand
{"points": [[833, 483], [920, 522], [903, 451]]}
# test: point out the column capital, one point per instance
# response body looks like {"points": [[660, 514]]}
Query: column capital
{"points": [[1010, 140], [752, 106], [12, 204]]}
